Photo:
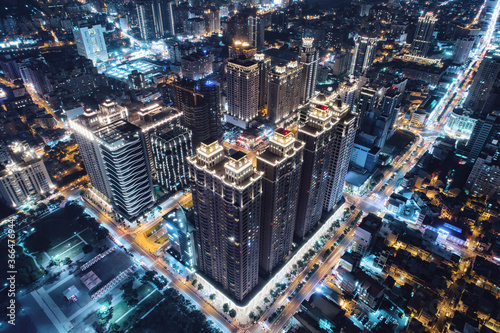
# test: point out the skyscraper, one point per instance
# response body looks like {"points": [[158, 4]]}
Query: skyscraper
{"points": [[364, 53], [170, 147], [242, 90], [145, 18], [256, 32], [264, 64], [200, 103], [309, 58], [483, 81], [90, 43], [227, 195], [317, 136], [23, 176], [163, 18], [423, 35], [283, 96], [114, 155], [281, 166], [343, 142]]}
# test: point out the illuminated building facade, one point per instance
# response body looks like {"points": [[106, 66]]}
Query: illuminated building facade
{"points": [[256, 32], [243, 89], [24, 176], [317, 135], [364, 53], [114, 154], [423, 35], [284, 88], [201, 108], [170, 147], [181, 236], [227, 194], [309, 58], [90, 43], [342, 145], [281, 167]]}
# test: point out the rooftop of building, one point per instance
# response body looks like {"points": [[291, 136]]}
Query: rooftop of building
{"points": [[116, 132]]}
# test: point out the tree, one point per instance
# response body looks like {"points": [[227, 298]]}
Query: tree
{"points": [[194, 282], [67, 261], [212, 297], [104, 313], [87, 248], [266, 300], [200, 287], [129, 293], [225, 308], [232, 313], [251, 315]]}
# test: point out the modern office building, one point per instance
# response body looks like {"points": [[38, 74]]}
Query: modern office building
{"points": [[284, 88], [256, 32], [242, 91], [24, 176], [201, 108], [281, 167], [181, 236], [422, 39], [90, 43], [309, 58], [364, 53], [115, 157], [170, 147], [227, 194], [342, 145], [317, 135], [483, 81]]}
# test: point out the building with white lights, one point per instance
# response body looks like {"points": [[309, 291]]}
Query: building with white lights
{"points": [[170, 147], [423, 35], [115, 157], [90, 43], [309, 58], [284, 88], [460, 124], [281, 167], [242, 91], [364, 53], [227, 194], [24, 176]]}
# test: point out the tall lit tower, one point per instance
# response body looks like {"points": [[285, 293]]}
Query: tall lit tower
{"points": [[90, 43], [317, 136], [281, 165], [283, 96], [309, 58], [243, 89], [114, 154], [423, 35], [145, 18], [364, 53], [343, 142], [227, 194], [256, 32]]}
